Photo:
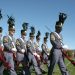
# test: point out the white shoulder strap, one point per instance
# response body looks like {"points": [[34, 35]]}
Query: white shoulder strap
{"points": [[10, 37], [57, 35], [22, 40]]}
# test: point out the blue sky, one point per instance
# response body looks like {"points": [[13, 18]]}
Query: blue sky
{"points": [[40, 13]]}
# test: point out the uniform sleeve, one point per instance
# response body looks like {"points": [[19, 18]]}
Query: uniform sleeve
{"points": [[53, 41], [6, 43]]}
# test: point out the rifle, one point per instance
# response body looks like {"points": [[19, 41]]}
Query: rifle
{"points": [[69, 58]]}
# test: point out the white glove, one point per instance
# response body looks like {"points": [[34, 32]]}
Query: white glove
{"points": [[47, 53], [23, 51], [35, 53], [14, 49]]}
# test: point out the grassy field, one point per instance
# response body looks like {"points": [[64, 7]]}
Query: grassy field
{"points": [[70, 68]]}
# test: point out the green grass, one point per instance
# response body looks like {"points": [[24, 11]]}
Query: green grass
{"points": [[70, 68]]}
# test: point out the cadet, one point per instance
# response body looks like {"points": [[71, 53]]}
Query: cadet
{"points": [[45, 51], [9, 45], [38, 54], [37, 48], [56, 53], [1, 50], [22, 50], [31, 50], [1, 43]]}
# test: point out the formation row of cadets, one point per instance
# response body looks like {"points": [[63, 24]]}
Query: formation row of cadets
{"points": [[22, 51], [25, 50]]}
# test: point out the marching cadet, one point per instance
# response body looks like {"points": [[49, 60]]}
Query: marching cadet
{"points": [[38, 53], [9, 45], [3, 63], [56, 51], [37, 42], [31, 50], [37, 48], [22, 50], [1, 43], [45, 51], [1, 50]]}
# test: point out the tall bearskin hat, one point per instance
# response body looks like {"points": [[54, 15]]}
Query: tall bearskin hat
{"points": [[0, 19], [32, 32], [60, 22], [38, 35], [1, 29], [11, 23], [0, 15], [25, 27], [46, 35], [62, 17]]}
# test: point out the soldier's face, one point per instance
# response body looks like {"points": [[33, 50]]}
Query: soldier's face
{"points": [[45, 40], [12, 32], [38, 39], [23, 36], [59, 29], [32, 38]]}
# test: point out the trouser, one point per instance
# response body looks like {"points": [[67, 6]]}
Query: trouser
{"points": [[9, 58], [1, 69], [26, 68], [56, 58], [26, 71], [22, 58], [19, 58], [34, 62], [46, 60]]}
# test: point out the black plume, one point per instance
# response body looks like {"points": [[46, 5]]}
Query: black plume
{"points": [[62, 17], [25, 26], [1, 29], [32, 30], [38, 34], [0, 15], [11, 20], [47, 34]]}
